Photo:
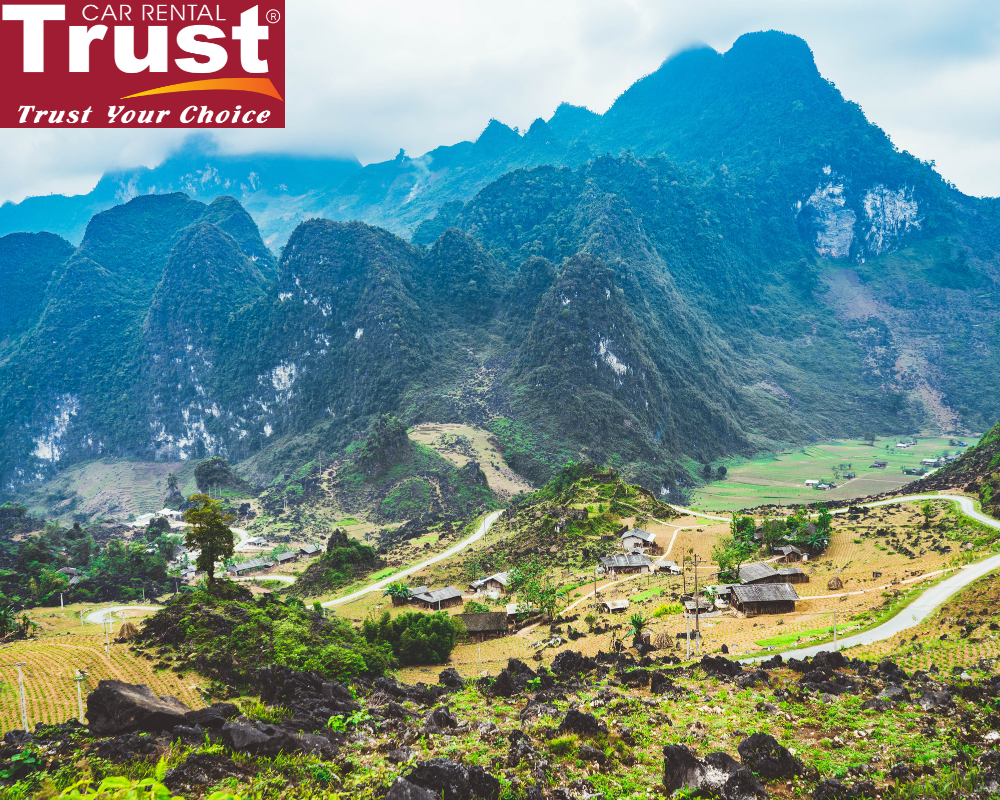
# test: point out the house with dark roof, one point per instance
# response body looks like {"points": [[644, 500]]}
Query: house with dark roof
{"points": [[774, 598], [759, 572], [496, 583], [640, 540], [627, 564], [793, 575], [789, 553], [310, 550], [286, 558], [439, 598], [485, 625], [253, 565], [615, 606]]}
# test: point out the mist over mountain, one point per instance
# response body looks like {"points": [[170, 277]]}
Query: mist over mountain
{"points": [[729, 259]]}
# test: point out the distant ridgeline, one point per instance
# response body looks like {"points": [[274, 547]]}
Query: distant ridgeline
{"points": [[749, 272]]}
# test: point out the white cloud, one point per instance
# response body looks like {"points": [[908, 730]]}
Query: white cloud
{"points": [[369, 78]]}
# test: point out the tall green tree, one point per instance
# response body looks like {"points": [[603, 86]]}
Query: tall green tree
{"points": [[209, 532]]}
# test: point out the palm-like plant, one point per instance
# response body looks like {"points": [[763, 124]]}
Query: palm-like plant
{"points": [[637, 626], [8, 620], [399, 591]]}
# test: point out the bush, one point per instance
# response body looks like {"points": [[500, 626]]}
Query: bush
{"points": [[475, 607], [668, 609], [414, 637]]}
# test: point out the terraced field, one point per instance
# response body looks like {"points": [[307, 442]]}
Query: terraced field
{"points": [[781, 480], [51, 663]]}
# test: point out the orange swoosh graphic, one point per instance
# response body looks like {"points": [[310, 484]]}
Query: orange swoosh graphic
{"points": [[258, 85]]}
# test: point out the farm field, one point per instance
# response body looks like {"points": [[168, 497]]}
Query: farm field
{"points": [[106, 488], [780, 480], [64, 646]]}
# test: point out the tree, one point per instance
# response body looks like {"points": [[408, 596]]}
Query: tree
{"points": [[414, 637], [172, 483], [706, 472], [928, 511], [209, 533], [721, 473], [869, 438]]}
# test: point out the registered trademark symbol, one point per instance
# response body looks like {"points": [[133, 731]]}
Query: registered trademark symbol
{"points": [[273, 16]]}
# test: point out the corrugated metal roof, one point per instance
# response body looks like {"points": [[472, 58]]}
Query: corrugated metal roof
{"points": [[615, 605], [627, 560], [439, 595], [790, 571], [500, 577], [282, 557], [787, 549], [639, 533], [765, 593], [756, 571]]}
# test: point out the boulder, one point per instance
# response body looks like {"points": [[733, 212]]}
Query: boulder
{"points": [[451, 679], [572, 662], [117, 707], [891, 672], [213, 716], [451, 781], [591, 753], [401, 755], [660, 683], [441, 717], [503, 685], [875, 704], [258, 740], [829, 659], [762, 755], [201, 770], [750, 679], [126, 747], [930, 700], [719, 775], [720, 667], [636, 678], [402, 789], [582, 723], [894, 694]]}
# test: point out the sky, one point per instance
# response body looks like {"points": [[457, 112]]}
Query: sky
{"points": [[365, 79]]}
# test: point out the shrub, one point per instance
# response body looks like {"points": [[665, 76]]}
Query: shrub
{"points": [[414, 637]]}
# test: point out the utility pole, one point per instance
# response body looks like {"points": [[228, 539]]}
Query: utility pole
{"points": [[61, 606], [79, 696], [835, 629], [697, 604], [20, 685]]}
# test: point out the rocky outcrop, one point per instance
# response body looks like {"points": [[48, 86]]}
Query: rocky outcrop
{"points": [[116, 707], [719, 775]]}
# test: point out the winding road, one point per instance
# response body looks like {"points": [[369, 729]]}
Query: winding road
{"points": [[453, 550]]}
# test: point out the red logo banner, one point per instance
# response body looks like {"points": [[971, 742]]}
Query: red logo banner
{"points": [[142, 65]]}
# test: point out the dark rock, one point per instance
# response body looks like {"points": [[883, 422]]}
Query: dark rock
{"points": [[750, 679], [572, 662], [260, 740], [401, 755], [660, 683], [503, 685], [636, 678], [762, 755], [126, 747], [900, 772], [591, 753], [203, 769], [213, 716], [767, 708], [719, 666], [582, 723], [719, 775], [441, 717], [894, 693], [831, 789], [450, 678], [520, 749], [188, 734], [118, 707], [774, 662], [891, 672], [930, 700], [402, 789], [451, 781], [17, 738], [829, 659], [876, 704]]}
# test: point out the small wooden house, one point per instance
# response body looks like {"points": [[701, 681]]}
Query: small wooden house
{"points": [[639, 540], [615, 606], [286, 558], [789, 553], [759, 572], [310, 550], [775, 598], [487, 625], [494, 584], [439, 598], [793, 575], [627, 564]]}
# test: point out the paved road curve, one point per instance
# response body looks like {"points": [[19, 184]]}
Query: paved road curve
{"points": [[453, 550], [933, 597]]}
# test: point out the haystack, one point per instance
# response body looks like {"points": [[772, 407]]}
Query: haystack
{"points": [[127, 631]]}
